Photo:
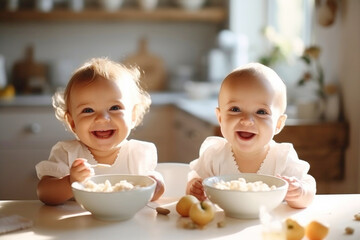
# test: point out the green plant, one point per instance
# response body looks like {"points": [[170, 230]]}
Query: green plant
{"points": [[314, 71]]}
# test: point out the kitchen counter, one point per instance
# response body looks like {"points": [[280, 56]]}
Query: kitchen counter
{"points": [[158, 98], [203, 109], [70, 221]]}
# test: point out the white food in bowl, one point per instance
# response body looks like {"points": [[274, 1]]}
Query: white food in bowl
{"points": [[241, 185], [115, 205], [246, 204], [123, 185]]}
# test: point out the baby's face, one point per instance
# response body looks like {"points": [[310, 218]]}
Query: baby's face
{"points": [[101, 113], [249, 112]]}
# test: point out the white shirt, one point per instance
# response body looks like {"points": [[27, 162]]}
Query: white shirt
{"points": [[216, 158], [134, 157]]}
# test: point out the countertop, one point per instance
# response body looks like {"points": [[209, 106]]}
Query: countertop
{"points": [[203, 109], [70, 221]]}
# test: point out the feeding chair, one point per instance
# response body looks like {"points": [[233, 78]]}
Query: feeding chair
{"points": [[175, 177]]}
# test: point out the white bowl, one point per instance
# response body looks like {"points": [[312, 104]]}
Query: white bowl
{"points": [[191, 5], [238, 204], [111, 5], [115, 206]]}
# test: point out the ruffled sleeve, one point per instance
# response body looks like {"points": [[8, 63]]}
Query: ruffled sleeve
{"points": [[60, 160], [282, 159]]}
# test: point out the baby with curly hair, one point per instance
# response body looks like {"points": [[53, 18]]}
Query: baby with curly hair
{"points": [[101, 104]]}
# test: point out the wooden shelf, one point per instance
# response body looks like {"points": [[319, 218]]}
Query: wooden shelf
{"points": [[210, 15]]}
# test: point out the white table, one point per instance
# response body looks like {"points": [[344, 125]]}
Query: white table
{"points": [[70, 221]]}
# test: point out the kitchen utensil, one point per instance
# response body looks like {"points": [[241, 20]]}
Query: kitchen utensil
{"points": [[147, 5], [44, 5], [3, 78], [29, 76], [111, 5], [76, 5], [191, 5], [100, 165], [12, 5], [152, 66]]}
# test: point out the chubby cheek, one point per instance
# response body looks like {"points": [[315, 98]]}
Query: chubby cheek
{"points": [[228, 126]]}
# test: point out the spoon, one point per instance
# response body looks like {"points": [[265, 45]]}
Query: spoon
{"points": [[100, 165]]}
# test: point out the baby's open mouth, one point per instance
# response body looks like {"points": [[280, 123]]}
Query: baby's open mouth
{"points": [[103, 134], [245, 135]]}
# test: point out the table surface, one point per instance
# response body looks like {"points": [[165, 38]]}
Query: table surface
{"points": [[70, 221]]}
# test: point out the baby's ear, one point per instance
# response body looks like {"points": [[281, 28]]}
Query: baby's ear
{"points": [[280, 123], [218, 116], [134, 115], [70, 121]]}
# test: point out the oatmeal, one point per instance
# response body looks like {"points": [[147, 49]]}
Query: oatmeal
{"points": [[241, 185], [123, 185]]}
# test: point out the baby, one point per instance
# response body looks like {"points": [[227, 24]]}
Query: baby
{"points": [[251, 110], [102, 103]]}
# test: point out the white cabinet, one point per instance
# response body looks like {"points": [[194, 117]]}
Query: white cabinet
{"points": [[27, 135]]}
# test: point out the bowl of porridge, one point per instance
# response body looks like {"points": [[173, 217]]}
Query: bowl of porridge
{"points": [[242, 195], [114, 197]]}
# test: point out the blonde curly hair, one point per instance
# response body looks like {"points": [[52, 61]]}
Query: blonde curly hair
{"points": [[110, 70]]}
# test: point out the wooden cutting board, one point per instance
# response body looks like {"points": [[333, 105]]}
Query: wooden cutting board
{"points": [[152, 67], [29, 76]]}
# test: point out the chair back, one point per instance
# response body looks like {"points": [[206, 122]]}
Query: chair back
{"points": [[175, 177]]}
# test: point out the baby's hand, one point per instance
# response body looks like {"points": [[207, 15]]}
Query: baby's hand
{"points": [[197, 189], [80, 170], [295, 190]]}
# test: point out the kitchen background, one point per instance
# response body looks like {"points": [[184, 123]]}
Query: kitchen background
{"points": [[182, 52]]}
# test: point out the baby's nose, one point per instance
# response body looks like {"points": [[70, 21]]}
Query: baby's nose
{"points": [[103, 116], [247, 120]]}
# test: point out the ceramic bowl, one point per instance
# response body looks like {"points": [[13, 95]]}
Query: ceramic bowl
{"points": [[119, 205], [111, 5], [246, 205], [191, 5]]}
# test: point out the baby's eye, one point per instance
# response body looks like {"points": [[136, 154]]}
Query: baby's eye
{"points": [[234, 109], [87, 110], [116, 107], [262, 112]]}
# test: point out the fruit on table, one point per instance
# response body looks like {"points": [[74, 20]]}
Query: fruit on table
{"points": [[184, 204], [202, 213], [294, 231], [316, 230], [7, 92]]}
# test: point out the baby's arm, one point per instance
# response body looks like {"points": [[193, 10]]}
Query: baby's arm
{"points": [[54, 191], [159, 190], [300, 193], [195, 187]]}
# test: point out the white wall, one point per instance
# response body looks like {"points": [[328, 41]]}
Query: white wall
{"points": [[341, 61], [340, 58], [176, 43]]}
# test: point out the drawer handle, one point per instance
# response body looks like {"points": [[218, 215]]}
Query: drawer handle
{"points": [[34, 128]]}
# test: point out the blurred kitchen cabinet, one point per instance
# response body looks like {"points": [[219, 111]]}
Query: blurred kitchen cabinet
{"points": [[217, 15], [27, 135], [177, 134], [189, 133], [156, 128], [321, 144]]}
